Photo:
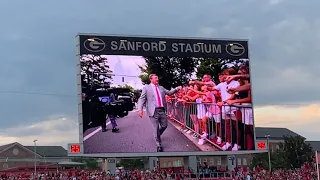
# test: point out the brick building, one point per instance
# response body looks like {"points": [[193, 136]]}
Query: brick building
{"points": [[16, 155]]}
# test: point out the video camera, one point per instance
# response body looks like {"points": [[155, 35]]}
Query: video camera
{"points": [[117, 101], [102, 100]]}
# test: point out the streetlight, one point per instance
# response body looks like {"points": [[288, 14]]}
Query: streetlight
{"points": [[269, 153], [35, 158]]}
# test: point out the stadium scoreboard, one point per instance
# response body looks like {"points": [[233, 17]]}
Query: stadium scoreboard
{"points": [[74, 148], [104, 52]]}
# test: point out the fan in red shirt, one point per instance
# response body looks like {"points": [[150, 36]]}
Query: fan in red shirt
{"points": [[179, 107]]}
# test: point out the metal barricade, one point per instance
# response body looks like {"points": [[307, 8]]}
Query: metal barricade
{"points": [[228, 127]]}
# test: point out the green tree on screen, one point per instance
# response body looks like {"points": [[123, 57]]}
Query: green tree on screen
{"points": [[214, 67], [137, 93], [172, 71], [127, 86], [95, 69]]}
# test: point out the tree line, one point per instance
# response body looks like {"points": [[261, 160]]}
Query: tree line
{"points": [[176, 71]]}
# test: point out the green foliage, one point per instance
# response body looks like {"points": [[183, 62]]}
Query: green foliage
{"points": [[145, 70], [214, 67], [172, 71], [295, 152], [137, 93], [127, 86], [262, 160], [100, 66], [131, 163], [292, 153]]}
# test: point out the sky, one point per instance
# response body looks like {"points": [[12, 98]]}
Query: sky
{"points": [[37, 40]]}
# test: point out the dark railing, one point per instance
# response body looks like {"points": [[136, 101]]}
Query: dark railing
{"points": [[222, 126]]}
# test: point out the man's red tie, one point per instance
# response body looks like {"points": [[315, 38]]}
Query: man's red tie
{"points": [[158, 97]]}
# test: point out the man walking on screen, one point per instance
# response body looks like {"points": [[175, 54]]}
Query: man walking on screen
{"points": [[153, 97]]}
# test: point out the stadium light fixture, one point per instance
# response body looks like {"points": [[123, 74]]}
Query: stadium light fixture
{"points": [[35, 158], [269, 153]]}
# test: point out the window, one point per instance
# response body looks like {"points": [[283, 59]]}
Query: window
{"points": [[211, 162], [174, 163], [204, 160], [244, 162], [169, 164], [219, 161], [165, 165], [239, 162], [180, 163], [198, 160], [177, 163], [277, 147]]}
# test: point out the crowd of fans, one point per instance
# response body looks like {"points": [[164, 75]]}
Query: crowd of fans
{"points": [[218, 112], [303, 173]]}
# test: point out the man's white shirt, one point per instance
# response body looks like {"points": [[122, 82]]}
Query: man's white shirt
{"points": [[222, 87]]}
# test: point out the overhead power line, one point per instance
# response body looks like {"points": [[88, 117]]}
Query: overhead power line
{"points": [[54, 94], [36, 93]]}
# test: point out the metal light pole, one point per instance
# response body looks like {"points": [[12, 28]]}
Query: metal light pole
{"points": [[269, 153], [317, 165], [35, 159]]}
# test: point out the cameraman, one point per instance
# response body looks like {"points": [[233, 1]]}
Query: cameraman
{"points": [[98, 112], [111, 115]]}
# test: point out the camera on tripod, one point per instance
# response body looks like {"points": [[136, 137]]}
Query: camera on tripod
{"points": [[101, 101], [117, 101]]}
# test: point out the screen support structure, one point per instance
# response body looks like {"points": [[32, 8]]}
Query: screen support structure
{"points": [[79, 85]]}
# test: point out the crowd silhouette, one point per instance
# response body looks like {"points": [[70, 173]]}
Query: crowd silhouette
{"points": [[306, 172]]}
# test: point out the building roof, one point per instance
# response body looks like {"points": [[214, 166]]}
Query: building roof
{"points": [[315, 145], [6, 146], [49, 151], [275, 133], [70, 163]]}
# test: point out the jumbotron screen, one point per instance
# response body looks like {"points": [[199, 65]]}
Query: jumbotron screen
{"points": [[164, 96]]}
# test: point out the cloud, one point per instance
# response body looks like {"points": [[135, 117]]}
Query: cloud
{"points": [[275, 2], [54, 131], [301, 119]]}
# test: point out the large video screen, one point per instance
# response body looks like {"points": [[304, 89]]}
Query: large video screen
{"points": [[144, 95]]}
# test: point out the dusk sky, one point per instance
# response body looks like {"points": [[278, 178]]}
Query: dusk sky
{"points": [[38, 65]]}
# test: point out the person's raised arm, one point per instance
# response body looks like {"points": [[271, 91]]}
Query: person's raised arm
{"points": [[198, 92], [244, 100], [172, 91], [209, 84], [238, 76], [193, 98], [242, 88]]}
